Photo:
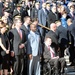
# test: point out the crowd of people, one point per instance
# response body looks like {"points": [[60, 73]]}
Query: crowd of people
{"points": [[33, 32]]}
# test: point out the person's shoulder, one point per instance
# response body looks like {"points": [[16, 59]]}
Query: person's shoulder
{"points": [[22, 27], [12, 30]]}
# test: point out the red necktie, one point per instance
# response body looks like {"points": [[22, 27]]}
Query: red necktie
{"points": [[20, 33], [51, 51]]}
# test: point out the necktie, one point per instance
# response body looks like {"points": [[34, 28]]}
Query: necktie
{"points": [[20, 33], [52, 53]]}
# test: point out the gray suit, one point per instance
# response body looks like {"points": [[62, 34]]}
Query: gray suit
{"points": [[42, 17], [19, 53], [55, 61]]}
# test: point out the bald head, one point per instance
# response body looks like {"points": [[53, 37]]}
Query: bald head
{"points": [[53, 27]]}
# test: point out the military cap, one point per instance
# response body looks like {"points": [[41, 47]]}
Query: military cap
{"points": [[18, 5], [17, 16], [47, 4]]}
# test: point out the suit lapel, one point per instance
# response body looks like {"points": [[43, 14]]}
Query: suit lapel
{"points": [[17, 34], [47, 50]]}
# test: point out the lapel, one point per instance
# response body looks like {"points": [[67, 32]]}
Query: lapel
{"points": [[48, 52], [25, 29], [16, 32], [44, 12]]}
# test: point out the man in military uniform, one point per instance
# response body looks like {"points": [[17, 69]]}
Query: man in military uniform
{"points": [[17, 11], [34, 12]]}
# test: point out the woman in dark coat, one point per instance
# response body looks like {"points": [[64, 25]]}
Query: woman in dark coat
{"points": [[4, 49]]}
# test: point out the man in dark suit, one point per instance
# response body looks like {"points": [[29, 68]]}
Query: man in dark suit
{"points": [[25, 26], [42, 17], [72, 12], [53, 35], [34, 11], [62, 38], [51, 56], [17, 38], [52, 16], [71, 39], [12, 6], [48, 8], [17, 11], [26, 29]]}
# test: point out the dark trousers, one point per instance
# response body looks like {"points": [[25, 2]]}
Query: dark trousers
{"points": [[62, 64], [34, 66], [18, 64], [56, 62]]}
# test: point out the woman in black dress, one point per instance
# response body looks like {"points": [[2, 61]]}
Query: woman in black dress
{"points": [[4, 49]]}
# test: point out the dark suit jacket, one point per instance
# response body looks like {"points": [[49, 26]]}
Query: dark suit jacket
{"points": [[54, 38], [46, 54], [34, 13], [62, 36], [70, 16], [15, 13], [71, 34], [16, 41], [26, 31], [52, 18]]}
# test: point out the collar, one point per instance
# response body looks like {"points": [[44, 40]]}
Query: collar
{"points": [[26, 25], [32, 32]]}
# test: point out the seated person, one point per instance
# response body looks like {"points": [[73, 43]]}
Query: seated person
{"points": [[50, 55]]}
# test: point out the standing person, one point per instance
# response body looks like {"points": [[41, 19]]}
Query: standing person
{"points": [[25, 28], [17, 36], [41, 2], [62, 38], [34, 50], [12, 6], [52, 16], [34, 11], [17, 10], [42, 17], [72, 12], [71, 39], [4, 49]]}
